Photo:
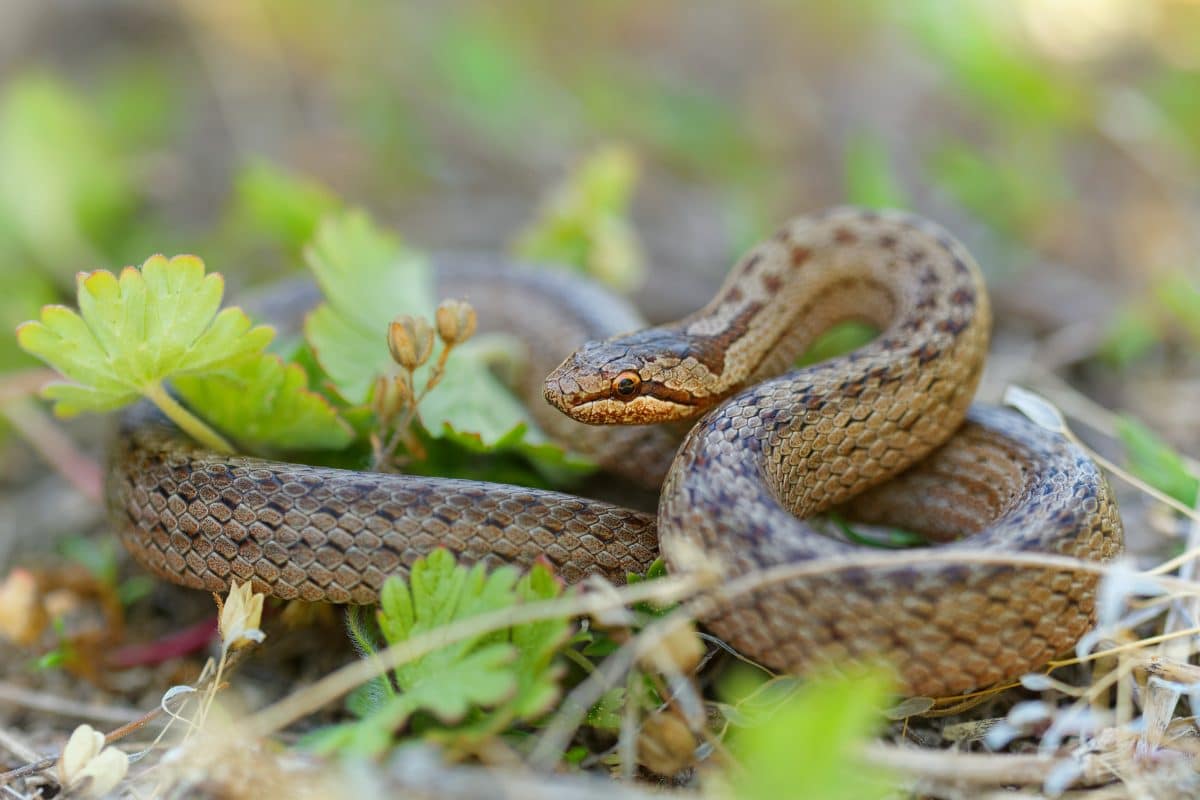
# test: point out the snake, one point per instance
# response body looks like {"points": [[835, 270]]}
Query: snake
{"points": [[886, 434]]}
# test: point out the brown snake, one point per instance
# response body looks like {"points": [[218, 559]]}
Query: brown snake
{"points": [[771, 447]]}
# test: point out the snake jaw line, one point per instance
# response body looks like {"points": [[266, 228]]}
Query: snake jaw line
{"points": [[644, 410]]}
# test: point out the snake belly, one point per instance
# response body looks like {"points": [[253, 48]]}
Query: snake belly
{"points": [[879, 432]]}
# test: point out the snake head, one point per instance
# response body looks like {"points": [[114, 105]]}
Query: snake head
{"points": [[636, 379]]}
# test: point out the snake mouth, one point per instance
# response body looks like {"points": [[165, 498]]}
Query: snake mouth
{"points": [[645, 410]]}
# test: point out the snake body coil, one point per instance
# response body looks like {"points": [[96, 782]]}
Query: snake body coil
{"points": [[771, 447]]}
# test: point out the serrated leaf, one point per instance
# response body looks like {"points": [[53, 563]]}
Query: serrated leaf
{"points": [[368, 279], [481, 684], [537, 644], [266, 406], [135, 331], [483, 677], [474, 409]]}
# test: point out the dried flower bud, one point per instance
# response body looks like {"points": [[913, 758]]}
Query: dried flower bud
{"points": [[240, 616], [682, 649], [391, 395], [665, 745], [89, 767], [381, 397], [411, 341], [455, 321], [22, 615]]}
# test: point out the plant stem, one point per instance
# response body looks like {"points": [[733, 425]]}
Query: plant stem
{"points": [[189, 423]]}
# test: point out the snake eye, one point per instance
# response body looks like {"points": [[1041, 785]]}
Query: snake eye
{"points": [[626, 384]]}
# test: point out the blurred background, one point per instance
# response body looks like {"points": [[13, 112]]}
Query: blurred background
{"points": [[1059, 138]]}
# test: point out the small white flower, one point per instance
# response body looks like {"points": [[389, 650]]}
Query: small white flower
{"points": [[87, 766], [241, 614]]}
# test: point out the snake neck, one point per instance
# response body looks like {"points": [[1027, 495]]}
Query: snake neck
{"points": [[824, 433], [904, 276]]}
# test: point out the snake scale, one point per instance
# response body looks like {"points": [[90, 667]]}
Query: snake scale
{"points": [[886, 433]]}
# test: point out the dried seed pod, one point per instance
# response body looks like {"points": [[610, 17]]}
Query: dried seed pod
{"points": [[665, 745], [455, 321], [411, 340], [682, 648]]}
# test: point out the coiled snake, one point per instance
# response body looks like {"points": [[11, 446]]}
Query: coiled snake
{"points": [[880, 430]]}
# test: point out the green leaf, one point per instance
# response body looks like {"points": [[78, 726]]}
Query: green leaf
{"points": [[606, 713], [266, 406], [282, 207], [585, 222], [133, 332], [520, 456], [473, 409], [369, 278], [870, 179], [881, 537], [474, 687], [538, 644], [1155, 462], [656, 570], [807, 745]]}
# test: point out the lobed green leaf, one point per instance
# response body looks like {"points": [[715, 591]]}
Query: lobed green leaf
{"points": [[368, 278], [135, 331], [477, 686], [266, 406]]}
